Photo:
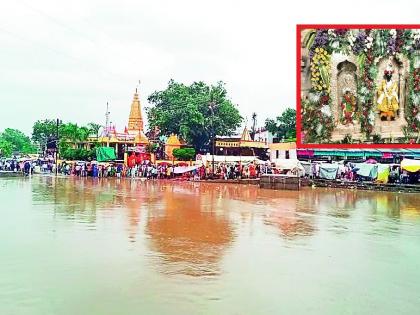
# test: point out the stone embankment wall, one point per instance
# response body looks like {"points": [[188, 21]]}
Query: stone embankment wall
{"points": [[361, 185], [280, 182]]}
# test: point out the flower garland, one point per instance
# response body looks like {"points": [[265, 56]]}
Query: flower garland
{"points": [[366, 86], [320, 64], [369, 46], [316, 110], [413, 104]]}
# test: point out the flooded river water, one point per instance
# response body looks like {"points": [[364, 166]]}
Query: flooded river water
{"points": [[85, 246]]}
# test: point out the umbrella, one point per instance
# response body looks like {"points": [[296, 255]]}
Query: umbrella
{"points": [[371, 161]]}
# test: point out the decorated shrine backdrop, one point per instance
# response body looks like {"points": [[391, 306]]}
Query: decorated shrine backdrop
{"points": [[367, 47]]}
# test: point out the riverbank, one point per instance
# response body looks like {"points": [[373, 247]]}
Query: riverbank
{"points": [[10, 174], [360, 185], [284, 184], [279, 185]]}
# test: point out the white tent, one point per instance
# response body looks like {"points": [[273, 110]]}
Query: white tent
{"points": [[184, 169], [290, 164]]}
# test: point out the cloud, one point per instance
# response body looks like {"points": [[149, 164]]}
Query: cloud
{"points": [[68, 59]]}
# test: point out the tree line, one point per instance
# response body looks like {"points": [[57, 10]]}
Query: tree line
{"points": [[196, 112]]}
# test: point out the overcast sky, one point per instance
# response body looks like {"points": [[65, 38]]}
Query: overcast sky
{"points": [[67, 59]]}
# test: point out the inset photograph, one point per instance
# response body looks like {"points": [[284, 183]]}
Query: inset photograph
{"points": [[358, 84]]}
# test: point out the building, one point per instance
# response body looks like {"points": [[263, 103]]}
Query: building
{"points": [[132, 139], [241, 145], [263, 135], [285, 150]]}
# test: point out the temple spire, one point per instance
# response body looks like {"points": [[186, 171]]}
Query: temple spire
{"points": [[135, 120]]}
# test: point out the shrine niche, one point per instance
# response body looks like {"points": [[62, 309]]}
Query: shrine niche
{"points": [[346, 92], [390, 96], [360, 85], [344, 96]]}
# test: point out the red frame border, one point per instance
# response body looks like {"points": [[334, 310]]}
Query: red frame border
{"points": [[299, 144]]}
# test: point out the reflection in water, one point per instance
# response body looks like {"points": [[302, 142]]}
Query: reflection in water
{"points": [[184, 206], [190, 225], [291, 216], [190, 234], [86, 246]]}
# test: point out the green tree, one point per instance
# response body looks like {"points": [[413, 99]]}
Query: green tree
{"points": [[184, 154], [43, 131], [6, 148], [78, 154], [70, 134], [185, 110], [284, 126], [18, 140], [94, 129]]}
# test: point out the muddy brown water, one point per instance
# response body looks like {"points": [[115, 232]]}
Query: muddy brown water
{"points": [[92, 246]]}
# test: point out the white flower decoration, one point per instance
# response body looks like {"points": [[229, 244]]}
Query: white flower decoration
{"points": [[326, 110], [335, 44], [371, 117], [314, 97], [416, 99], [418, 117], [332, 33], [319, 129], [393, 33], [364, 90]]}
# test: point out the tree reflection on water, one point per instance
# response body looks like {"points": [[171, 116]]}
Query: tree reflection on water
{"points": [[190, 226]]}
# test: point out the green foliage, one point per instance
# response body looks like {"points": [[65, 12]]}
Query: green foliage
{"points": [[185, 110], [284, 126], [78, 154], [94, 128], [385, 43], [412, 112], [13, 140], [69, 134], [43, 130], [309, 38], [72, 132], [316, 125], [184, 154], [6, 148]]}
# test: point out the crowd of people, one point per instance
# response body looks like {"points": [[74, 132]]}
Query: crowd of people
{"points": [[149, 170], [13, 165], [346, 171]]}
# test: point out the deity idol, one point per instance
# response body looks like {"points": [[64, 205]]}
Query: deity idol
{"points": [[348, 107], [388, 103]]}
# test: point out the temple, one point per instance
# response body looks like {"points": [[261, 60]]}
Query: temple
{"points": [[135, 120], [131, 139]]}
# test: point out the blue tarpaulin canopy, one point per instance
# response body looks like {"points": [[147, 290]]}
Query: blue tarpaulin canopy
{"points": [[328, 171], [366, 153], [367, 170]]}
